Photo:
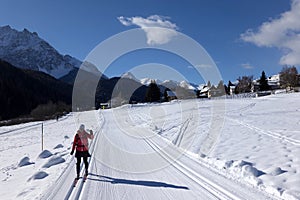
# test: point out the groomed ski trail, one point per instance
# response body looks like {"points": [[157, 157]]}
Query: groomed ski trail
{"points": [[131, 163]]}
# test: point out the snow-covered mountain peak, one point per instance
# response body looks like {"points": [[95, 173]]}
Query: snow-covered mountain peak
{"points": [[129, 75], [27, 50], [186, 85], [171, 84], [147, 81]]}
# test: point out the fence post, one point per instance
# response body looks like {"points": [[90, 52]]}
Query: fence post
{"points": [[42, 136]]}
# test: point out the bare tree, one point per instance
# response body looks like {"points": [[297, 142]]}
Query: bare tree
{"points": [[244, 84], [288, 77]]}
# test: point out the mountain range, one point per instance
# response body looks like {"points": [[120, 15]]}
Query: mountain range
{"points": [[25, 49], [166, 83], [34, 73]]}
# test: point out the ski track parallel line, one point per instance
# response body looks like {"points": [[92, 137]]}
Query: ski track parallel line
{"points": [[80, 190], [209, 186]]}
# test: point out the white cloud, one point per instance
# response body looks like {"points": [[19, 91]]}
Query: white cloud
{"points": [[158, 29], [247, 66], [282, 33]]}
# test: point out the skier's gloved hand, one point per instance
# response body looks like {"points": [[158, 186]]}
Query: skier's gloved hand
{"points": [[72, 152]]}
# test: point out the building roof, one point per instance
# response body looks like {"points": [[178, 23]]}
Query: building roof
{"points": [[171, 93]]}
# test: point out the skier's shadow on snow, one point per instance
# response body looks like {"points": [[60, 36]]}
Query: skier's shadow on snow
{"points": [[135, 182]]}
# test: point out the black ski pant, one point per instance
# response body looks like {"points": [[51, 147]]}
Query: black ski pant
{"points": [[86, 164]]}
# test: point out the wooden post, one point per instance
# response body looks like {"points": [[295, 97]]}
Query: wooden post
{"points": [[42, 136]]}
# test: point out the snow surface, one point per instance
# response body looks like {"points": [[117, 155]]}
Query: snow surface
{"points": [[162, 151]]}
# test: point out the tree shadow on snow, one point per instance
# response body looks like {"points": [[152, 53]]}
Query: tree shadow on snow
{"points": [[135, 182]]}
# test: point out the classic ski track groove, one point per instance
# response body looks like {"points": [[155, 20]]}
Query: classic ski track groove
{"points": [[217, 191], [68, 173], [190, 173], [79, 188]]}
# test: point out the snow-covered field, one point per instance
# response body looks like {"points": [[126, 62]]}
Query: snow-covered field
{"points": [[258, 143], [26, 171], [252, 143]]}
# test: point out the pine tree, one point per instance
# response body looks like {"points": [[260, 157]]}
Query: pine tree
{"points": [[208, 84], [221, 87], [263, 82], [153, 92], [227, 88]]}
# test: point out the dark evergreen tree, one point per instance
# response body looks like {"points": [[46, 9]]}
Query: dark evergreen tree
{"points": [[208, 84], [220, 85], [221, 88], [153, 93], [227, 89], [198, 93], [263, 82]]}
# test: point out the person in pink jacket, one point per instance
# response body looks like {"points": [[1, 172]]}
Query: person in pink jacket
{"points": [[81, 144]]}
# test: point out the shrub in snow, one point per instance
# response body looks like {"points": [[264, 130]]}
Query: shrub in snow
{"points": [[241, 163], [55, 160], [58, 146], [45, 154], [248, 170], [24, 162], [39, 175], [201, 155], [277, 171], [228, 164]]}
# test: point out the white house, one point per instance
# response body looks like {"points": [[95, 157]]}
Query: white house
{"points": [[274, 81]]}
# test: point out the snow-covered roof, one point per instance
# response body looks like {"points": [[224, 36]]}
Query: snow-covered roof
{"points": [[205, 89], [171, 93]]}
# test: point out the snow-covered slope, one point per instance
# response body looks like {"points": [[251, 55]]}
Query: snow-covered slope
{"points": [[25, 49], [153, 151]]}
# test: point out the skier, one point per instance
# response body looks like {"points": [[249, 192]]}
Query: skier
{"points": [[81, 145]]}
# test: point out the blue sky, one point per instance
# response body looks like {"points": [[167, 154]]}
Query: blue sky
{"points": [[242, 37]]}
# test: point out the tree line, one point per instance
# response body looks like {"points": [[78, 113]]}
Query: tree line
{"points": [[288, 77]]}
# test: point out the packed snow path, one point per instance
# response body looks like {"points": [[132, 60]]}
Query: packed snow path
{"points": [[131, 163]]}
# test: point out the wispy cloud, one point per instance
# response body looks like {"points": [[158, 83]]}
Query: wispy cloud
{"points": [[199, 66], [247, 66], [282, 33], [158, 29], [204, 66]]}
